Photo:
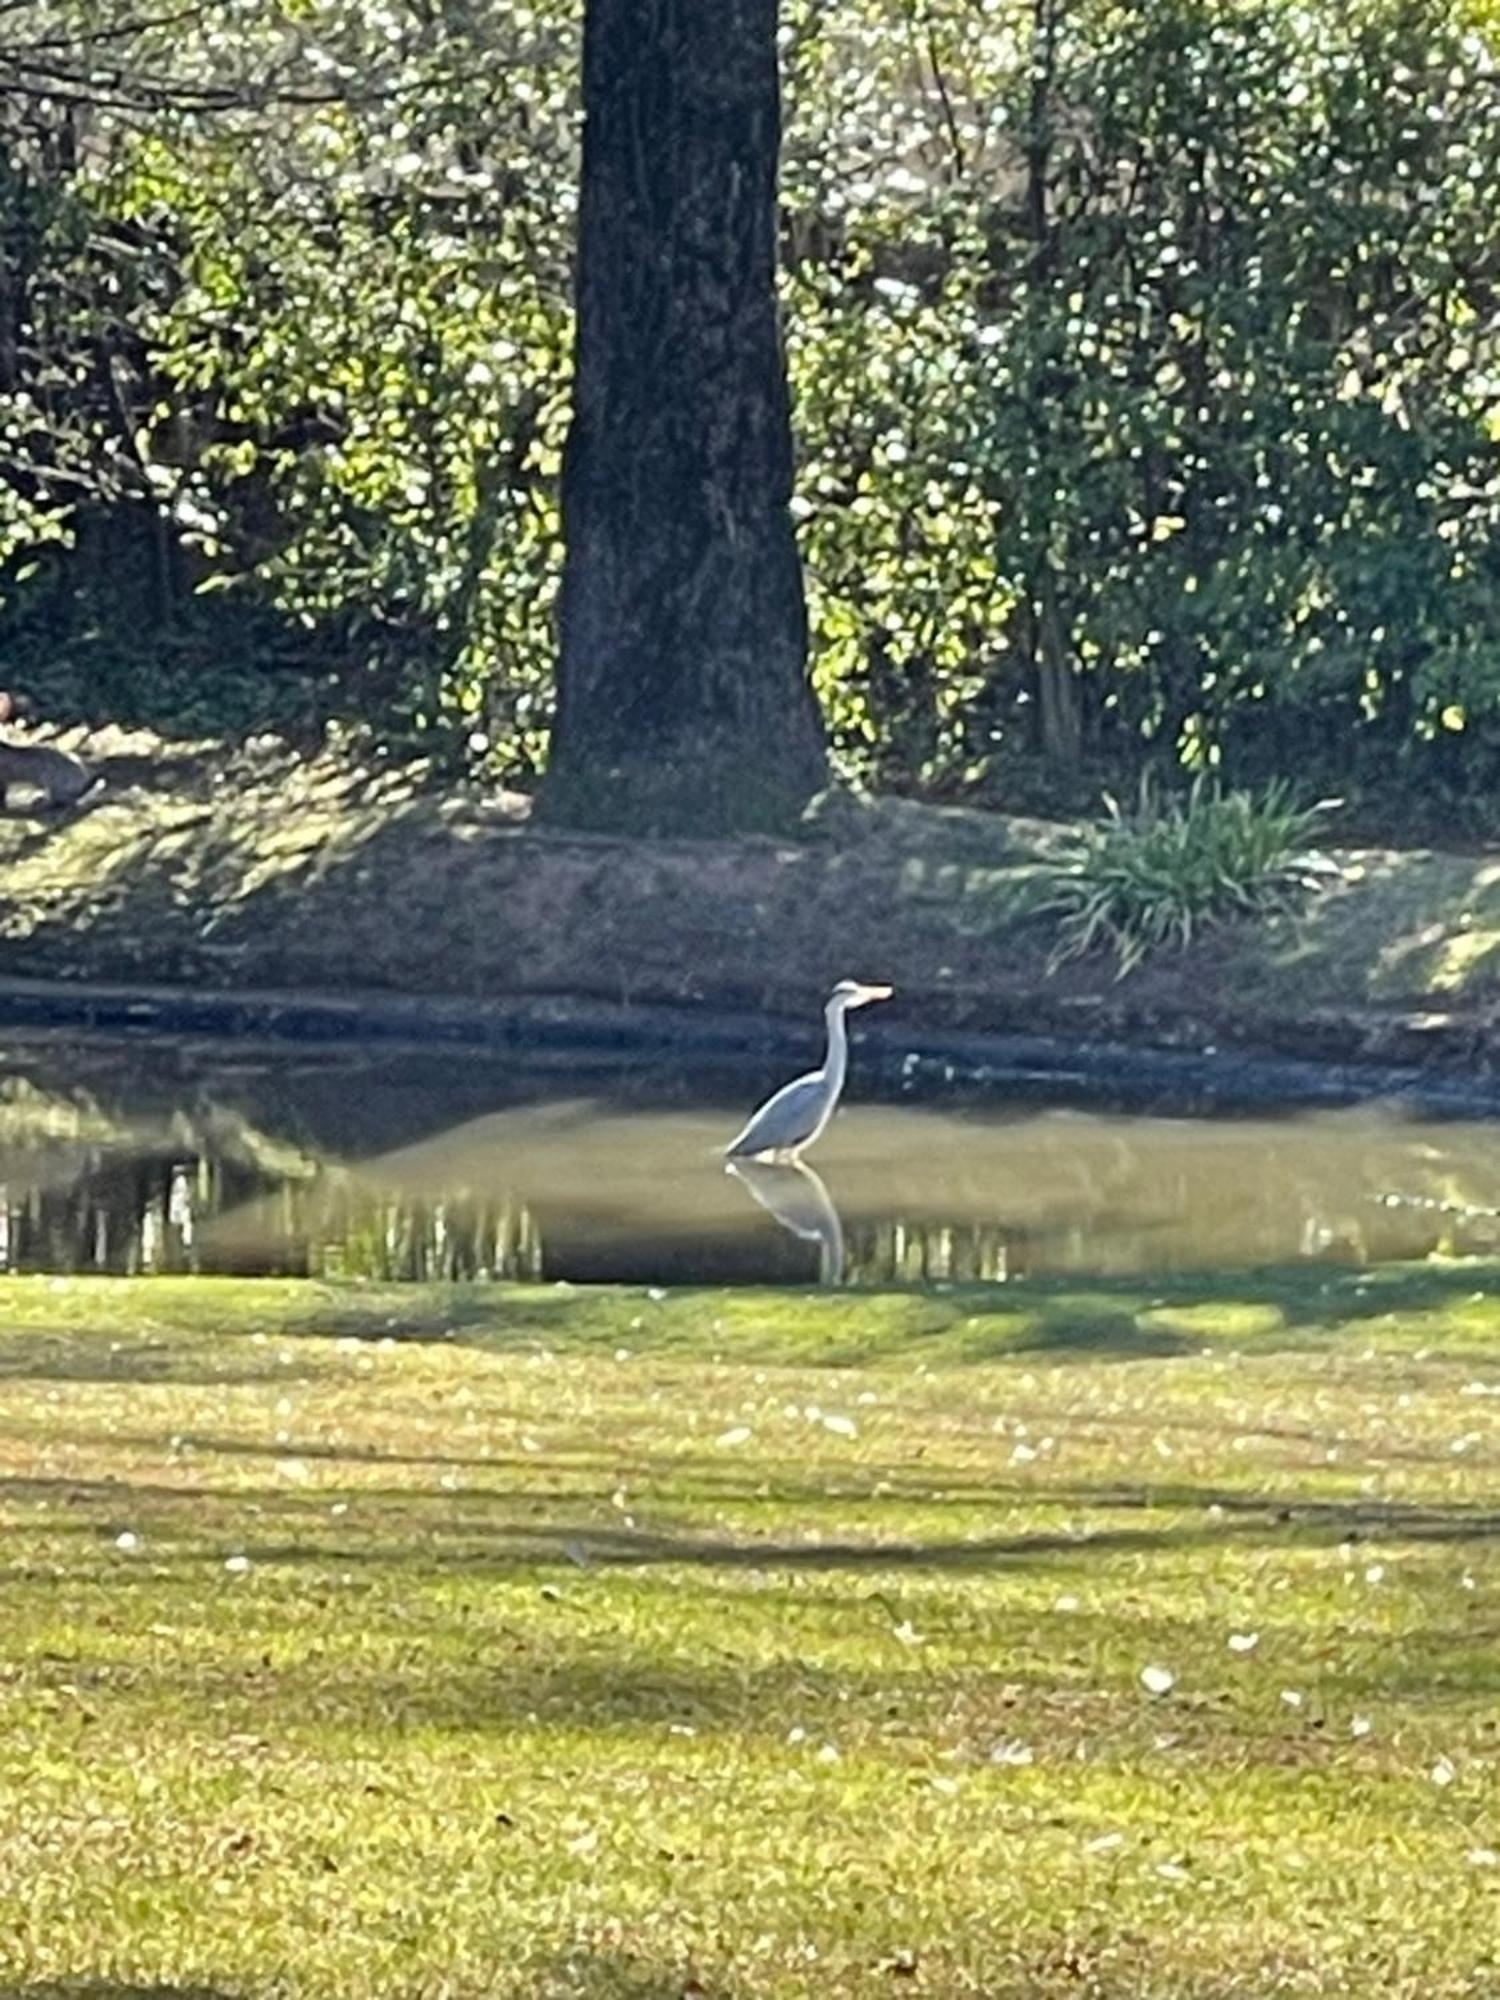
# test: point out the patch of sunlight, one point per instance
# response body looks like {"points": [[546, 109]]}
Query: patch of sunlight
{"points": [[1411, 962], [268, 869], [1460, 959], [76, 859], [1225, 1319], [30, 1117]]}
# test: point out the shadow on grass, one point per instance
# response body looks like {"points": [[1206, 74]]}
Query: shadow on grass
{"points": [[83, 1357], [110, 1989], [1298, 1309], [615, 1975], [1091, 1332], [1096, 1318], [491, 1534]]}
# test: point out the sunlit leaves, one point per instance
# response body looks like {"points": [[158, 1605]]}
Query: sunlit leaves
{"points": [[1149, 364], [355, 360], [1209, 380]]}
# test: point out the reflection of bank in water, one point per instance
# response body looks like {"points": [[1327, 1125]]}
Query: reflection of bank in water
{"points": [[799, 1201], [371, 1172]]}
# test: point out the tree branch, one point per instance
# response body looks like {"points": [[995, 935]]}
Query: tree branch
{"points": [[960, 161], [90, 38]]}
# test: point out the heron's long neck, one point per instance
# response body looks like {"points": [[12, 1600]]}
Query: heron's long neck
{"points": [[837, 1059]]}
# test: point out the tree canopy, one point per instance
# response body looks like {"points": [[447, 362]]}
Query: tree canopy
{"points": [[1144, 363]]}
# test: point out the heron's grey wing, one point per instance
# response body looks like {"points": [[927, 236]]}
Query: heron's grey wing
{"points": [[786, 1119]]}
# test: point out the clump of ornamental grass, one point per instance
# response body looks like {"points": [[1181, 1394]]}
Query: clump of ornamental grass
{"points": [[1153, 877]]}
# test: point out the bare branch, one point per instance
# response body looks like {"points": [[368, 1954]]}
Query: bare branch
{"points": [[959, 160], [124, 31]]}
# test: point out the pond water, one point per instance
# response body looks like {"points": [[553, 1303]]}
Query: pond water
{"points": [[137, 1157]]}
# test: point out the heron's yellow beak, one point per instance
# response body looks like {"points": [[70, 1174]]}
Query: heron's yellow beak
{"points": [[868, 993]]}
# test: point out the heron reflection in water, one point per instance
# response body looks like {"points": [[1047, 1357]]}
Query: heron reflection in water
{"points": [[796, 1197]]}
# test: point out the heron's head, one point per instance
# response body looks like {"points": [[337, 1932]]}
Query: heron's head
{"points": [[854, 993]]}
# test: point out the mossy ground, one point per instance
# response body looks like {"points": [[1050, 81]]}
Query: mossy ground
{"points": [[369, 1643]]}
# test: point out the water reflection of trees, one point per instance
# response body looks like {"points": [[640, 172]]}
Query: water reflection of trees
{"points": [[145, 1216], [90, 1184], [236, 1178], [451, 1241], [123, 1216]]}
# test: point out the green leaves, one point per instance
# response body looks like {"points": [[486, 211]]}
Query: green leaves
{"points": [[1195, 353], [1146, 396], [343, 344]]}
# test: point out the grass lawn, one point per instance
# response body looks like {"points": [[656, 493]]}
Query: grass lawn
{"points": [[1038, 1642]]}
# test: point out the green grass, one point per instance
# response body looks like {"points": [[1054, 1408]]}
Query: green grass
{"points": [[575, 1642]]}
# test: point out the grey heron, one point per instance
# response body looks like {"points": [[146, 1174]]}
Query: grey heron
{"points": [[797, 1113]]}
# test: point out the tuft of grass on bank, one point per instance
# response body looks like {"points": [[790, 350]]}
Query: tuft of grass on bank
{"points": [[1042, 1640], [1155, 877]]}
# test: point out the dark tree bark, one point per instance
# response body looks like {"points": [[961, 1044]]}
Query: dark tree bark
{"points": [[684, 704]]}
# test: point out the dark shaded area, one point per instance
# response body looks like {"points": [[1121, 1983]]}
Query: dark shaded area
{"points": [[110, 1989], [604, 1037], [592, 1974], [491, 1534], [39, 1358], [566, 1654], [1094, 1334], [113, 628]]}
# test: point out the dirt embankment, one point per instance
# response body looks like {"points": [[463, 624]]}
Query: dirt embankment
{"points": [[255, 868]]}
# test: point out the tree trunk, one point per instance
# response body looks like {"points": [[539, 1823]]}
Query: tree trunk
{"points": [[684, 704], [1057, 687]]}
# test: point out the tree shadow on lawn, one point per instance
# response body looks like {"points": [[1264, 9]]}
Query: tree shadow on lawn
{"points": [[110, 1989], [490, 1534], [1291, 1310], [1096, 1318], [83, 1357], [756, 1667], [616, 1975]]}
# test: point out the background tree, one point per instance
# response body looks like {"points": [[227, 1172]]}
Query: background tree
{"points": [[1144, 361], [683, 703]]}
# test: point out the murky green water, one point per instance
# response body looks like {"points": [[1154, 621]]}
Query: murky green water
{"points": [[136, 1158]]}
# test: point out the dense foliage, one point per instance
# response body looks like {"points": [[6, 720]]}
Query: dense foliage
{"points": [[1145, 359]]}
